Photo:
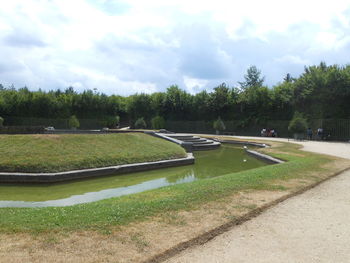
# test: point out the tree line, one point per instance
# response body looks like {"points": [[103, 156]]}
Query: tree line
{"points": [[320, 92]]}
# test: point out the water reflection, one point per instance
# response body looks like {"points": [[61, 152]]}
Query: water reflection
{"points": [[100, 195]]}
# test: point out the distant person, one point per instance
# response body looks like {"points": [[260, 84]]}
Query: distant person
{"points": [[309, 133], [273, 132], [263, 132], [268, 133], [320, 133]]}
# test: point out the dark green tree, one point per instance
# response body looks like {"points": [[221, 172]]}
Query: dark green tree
{"points": [[178, 104], [288, 78], [139, 105], [253, 78], [220, 100]]}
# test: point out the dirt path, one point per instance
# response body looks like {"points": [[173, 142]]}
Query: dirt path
{"points": [[311, 227]]}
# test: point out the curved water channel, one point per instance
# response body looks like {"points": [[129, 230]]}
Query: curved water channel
{"points": [[226, 159]]}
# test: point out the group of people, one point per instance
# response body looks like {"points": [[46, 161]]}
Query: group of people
{"points": [[272, 133], [319, 133], [268, 133]]}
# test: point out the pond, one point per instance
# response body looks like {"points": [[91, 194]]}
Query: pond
{"points": [[226, 159]]}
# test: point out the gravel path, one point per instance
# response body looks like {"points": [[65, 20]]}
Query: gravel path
{"points": [[311, 227], [339, 149]]}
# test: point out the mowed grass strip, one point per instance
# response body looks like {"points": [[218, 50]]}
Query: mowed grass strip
{"points": [[54, 153], [123, 210]]}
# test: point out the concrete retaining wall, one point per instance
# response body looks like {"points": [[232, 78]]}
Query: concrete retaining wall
{"points": [[264, 157], [62, 131], [85, 173], [245, 143], [256, 154]]}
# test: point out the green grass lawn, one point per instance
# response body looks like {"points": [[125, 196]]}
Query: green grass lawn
{"points": [[122, 210], [52, 153]]}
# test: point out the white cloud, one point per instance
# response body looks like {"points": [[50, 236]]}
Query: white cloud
{"points": [[110, 83], [120, 46], [194, 85], [292, 59]]}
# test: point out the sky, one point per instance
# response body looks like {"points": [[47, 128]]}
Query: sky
{"points": [[136, 46]]}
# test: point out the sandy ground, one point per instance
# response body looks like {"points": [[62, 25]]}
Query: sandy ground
{"points": [[331, 148], [311, 227]]}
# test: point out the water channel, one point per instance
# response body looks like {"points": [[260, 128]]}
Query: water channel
{"points": [[226, 159]]}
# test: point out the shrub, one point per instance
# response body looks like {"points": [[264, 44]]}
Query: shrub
{"points": [[158, 122], [219, 125], [113, 121], [298, 124], [1, 122], [73, 122], [140, 123]]}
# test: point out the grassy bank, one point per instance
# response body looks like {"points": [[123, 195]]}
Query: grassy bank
{"points": [[51, 153], [123, 210]]}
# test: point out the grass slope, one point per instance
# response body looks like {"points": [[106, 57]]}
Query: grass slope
{"points": [[119, 211], [51, 153]]}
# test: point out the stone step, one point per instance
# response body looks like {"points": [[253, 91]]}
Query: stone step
{"points": [[181, 137], [195, 140], [204, 147], [196, 143], [203, 142]]}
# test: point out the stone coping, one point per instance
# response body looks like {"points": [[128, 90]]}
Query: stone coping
{"points": [[261, 156], [19, 177], [67, 131], [264, 157], [263, 145]]}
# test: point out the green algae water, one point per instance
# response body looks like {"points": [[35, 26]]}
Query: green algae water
{"points": [[226, 159]]}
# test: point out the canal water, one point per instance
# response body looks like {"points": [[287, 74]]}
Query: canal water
{"points": [[226, 159]]}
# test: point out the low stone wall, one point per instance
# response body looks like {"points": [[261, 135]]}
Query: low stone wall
{"points": [[263, 145], [67, 131], [261, 156], [85, 173], [264, 157]]}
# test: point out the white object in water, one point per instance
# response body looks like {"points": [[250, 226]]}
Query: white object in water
{"points": [[245, 147]]}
